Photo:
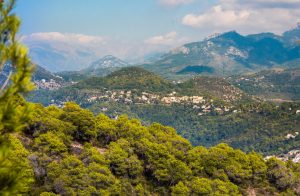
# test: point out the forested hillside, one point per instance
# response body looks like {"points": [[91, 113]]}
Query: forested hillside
{"points": [[205, 110], [70, 151]]}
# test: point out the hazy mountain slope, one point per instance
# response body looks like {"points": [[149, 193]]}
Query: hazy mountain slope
{"points": [[60, 56], [101, 67], [38, 74], [292, 36], [108, 62], [230, 53], [271, 84]]}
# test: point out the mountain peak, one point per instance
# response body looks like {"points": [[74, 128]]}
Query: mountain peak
{"points": [[109, 57], [227, 35], [212, 36], [231, 34], [108, 61]]}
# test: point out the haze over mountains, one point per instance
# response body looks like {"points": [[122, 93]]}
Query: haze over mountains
{"points": [[221, 54]]}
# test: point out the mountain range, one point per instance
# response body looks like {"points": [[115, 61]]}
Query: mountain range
{"points": [[220, 54], [230, 53]]}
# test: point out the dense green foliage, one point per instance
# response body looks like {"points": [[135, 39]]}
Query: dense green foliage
{"points": [[128, 78], [15, 172], [258, 126], [96, 155]]}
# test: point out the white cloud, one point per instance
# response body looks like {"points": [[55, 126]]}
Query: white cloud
{"points": [[175, 2], [217, 16], [167, 39], [247, 16], [64, 37]]}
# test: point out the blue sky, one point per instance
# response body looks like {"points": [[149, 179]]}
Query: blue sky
{"points": [[129, 28], [132, 19]]}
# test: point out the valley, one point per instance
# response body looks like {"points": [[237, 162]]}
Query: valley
{"points": [[205, 110]]}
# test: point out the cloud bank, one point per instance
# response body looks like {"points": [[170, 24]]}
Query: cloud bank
{"points": [[64, 37], [167, 39], [247, 16]]}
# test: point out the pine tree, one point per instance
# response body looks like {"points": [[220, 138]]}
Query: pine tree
{"points": [[13, 109]]}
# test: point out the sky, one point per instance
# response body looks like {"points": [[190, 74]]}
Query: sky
{"points": [[130, 28]]}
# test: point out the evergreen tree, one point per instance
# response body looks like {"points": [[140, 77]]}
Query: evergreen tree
{"points": [[12, 110]]}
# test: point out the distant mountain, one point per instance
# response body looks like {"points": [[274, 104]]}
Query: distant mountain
{"points": [[56, 58], [39, 74], [101, 67], [153, 57], [107, 62], [275, 84], [230, 53]]}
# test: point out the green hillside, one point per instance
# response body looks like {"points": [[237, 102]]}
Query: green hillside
{"points": [[127, 78], [73, 152], [271, 84]]}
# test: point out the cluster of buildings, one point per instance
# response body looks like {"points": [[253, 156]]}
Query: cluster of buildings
{"points": [[47, 85], [198, 103], [145, 98]]}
